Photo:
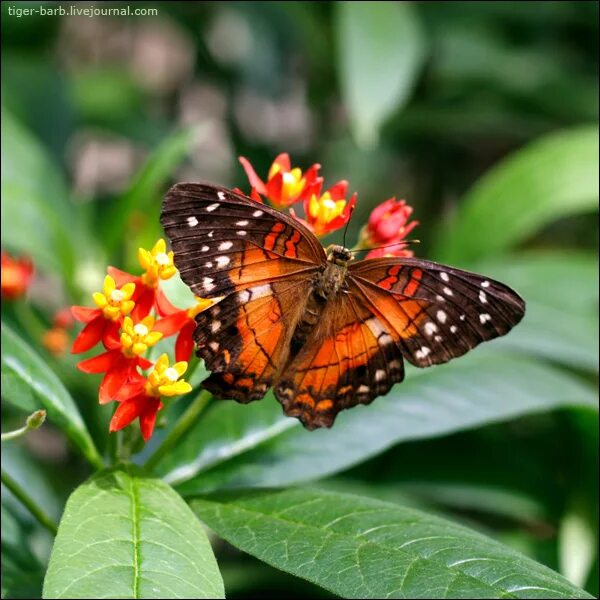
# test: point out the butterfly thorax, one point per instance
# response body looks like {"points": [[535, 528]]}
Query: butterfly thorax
{"points": [[327, 284]]}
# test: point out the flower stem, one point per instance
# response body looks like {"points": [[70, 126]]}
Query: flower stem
{"points": [[29, 503], [34, 421], [185, 422]]}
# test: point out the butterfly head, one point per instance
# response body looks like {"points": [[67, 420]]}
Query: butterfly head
{"points": [[339, 255]]}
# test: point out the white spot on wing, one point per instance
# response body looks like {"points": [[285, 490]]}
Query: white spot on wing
{"points": [[447, 291], [485, 283], [482, 297], [257, 213], [221, 195], [241, 232], [440, 298], [423, 352], [260, 291], [380, 374], [214, 346], [363, 389], [441, 316], [225, 245], [242, 223], [438, 338], [214, 206], [205, 248], [222, 261], [244, 296], [430, 328], [483, 317], [208, 265], [210, 233], [444, 276], [192, 221], [207, 283], [215, 326], [453, 328]]}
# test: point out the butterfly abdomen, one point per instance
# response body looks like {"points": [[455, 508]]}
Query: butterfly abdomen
{"points": [[326, 285]]}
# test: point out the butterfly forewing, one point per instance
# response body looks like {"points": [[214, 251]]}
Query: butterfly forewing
{"points": [[439, 312], [223, 241]]}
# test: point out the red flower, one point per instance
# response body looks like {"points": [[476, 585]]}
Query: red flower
{"points": [[158, 265], [120, 361], [102, 323], [327, 212], [388, 226], [184, 321], [284, 185], [16, 275], [141, 396]]}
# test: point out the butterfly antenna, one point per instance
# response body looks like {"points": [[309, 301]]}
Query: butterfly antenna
{"points": [[346, 228]]}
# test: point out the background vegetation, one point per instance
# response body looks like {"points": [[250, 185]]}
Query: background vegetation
{"points": [[483, 115]]}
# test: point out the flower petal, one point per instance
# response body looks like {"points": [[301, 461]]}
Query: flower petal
{"points": [[148, 417], [101, 363], [85, 314], [121, 277], [89, 336], [172, 324], [253, 178]]}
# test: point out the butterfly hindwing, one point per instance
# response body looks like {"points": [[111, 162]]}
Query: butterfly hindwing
{"points": [[224, 242], [350, 358], [245, 338], [438, 312]]}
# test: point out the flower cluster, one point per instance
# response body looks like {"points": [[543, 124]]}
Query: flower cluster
{"points": [[131, 315], [329, 210]]}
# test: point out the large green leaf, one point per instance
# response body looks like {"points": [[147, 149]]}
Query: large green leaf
{"points": [[256, 445], [380, 51], [364, 548], [124, 535], [20, 363], [553, 177], [561, 291], [34, 199]]}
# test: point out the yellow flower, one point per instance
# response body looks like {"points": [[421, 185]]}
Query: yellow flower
{"points": [[136, 339], [323, 210], [201, 304], [164, 380], [292, 182], [157, 262], [114, 302]]}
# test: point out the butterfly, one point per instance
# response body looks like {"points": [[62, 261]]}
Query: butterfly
{"points": [[324, 332]]}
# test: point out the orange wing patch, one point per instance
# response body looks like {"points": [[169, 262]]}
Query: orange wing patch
{"points": [[350, 366], [245, 337]]}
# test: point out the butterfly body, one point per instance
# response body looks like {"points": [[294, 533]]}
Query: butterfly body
{"points": [[324, 332]]}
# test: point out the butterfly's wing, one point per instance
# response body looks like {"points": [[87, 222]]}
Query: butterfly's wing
{"points": [[436, 312], [257, 263], [350, 358]]}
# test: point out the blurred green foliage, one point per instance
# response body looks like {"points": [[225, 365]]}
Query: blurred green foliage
{"points": [[483, 115]]}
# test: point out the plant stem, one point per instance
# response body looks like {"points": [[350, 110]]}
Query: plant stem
{"points": [[29, 503], [185, 422]]}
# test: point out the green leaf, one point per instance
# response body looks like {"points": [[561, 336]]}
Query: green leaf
{"points": [[257, 446], [20, 362], [553, 177], [22, 571], [143, 194], [124, 535], [380, 52], [363, 548], [561, 291], [34, 199]]}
